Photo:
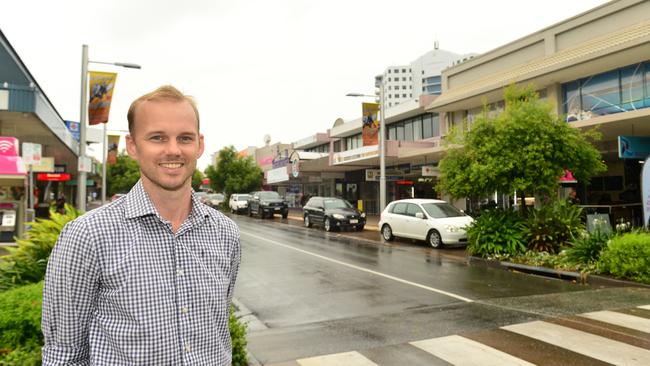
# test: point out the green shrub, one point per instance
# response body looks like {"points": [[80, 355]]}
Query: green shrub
{"points": [[27, 262], [628, 257], [553, 226], [20, 325], [496, 232], [586, 248], [238, 336]]}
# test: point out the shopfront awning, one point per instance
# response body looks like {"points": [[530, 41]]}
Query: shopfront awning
{"points": [[12, 171]]}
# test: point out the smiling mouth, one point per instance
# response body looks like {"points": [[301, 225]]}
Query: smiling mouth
{"points": [[171, 165]]}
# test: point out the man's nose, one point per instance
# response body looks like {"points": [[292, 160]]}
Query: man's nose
{"points": [[173, 147]]}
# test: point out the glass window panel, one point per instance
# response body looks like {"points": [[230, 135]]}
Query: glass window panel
{"points": [[400, 133], [601, 91], [632, 83], [427, 127], [571, 98], [408, 131], [391, 133], [435, 128], [417, 129]]}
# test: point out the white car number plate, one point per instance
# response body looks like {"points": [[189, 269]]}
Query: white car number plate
{"points": [[353, 221]]}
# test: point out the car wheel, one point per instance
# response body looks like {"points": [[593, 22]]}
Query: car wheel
{"points": [[360, 228], [307, 222], [260, 213], [285, 215], [328, 224], [434, 239], [387, 232]]}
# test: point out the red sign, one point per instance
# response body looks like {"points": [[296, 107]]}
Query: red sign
{"points": [[205, 181], [53, 177]]}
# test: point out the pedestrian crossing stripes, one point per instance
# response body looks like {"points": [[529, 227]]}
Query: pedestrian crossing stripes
{"points": [[593, 338]]}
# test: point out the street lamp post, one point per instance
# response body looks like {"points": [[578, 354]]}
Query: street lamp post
{"points": [[382, 139], [83, 164]]}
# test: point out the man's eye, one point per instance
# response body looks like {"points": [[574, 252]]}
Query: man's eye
{"points": [[186, 139], [156, 138]]}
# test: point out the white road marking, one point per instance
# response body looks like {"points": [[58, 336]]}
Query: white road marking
{"points": [[461, 351], [600, 348], [646, 307], [623, 320], [428, 288], [337, 359]]}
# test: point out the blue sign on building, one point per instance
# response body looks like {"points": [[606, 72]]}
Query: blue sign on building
{"points": [[74, 129], [633, 147]]}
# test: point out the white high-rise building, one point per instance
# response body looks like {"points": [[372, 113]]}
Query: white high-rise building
{"points": [[422, 76]]}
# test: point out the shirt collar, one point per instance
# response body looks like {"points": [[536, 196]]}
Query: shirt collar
{"points": [[138, 204]]}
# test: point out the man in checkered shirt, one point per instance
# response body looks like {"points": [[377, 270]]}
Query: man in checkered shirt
{"points": [[147, 279]]}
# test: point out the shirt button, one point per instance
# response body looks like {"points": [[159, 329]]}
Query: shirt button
{"points": [[184, 310], [188, 348], [179, 272]]}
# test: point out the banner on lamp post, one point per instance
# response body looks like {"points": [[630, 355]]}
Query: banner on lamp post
{"points": [[370, 126], [101, 93], [113, 142]]}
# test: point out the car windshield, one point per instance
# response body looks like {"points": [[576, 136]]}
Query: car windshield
{"points": [[441, 210], [216, 196], [269, 195], [242, 197], [201, 194], [330, 204]]}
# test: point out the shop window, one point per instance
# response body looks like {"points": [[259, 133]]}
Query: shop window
{"points": [[435, 124], [571, 97], [632, 84], [600, 93]]}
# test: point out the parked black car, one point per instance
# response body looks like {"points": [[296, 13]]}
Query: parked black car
{"points": [[267, 203], [333, 213]]}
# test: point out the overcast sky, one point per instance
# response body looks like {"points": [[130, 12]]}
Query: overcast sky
{"points": [[256, 67]]}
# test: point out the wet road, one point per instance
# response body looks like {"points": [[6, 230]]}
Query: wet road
{"points": [[317, 293]]}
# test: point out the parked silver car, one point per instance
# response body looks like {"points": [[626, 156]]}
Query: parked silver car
{"points": [[238, 202]]}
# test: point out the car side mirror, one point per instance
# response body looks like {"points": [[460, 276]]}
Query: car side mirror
{"points": [[419, 215]]}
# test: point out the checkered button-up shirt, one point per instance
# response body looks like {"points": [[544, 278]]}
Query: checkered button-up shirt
{"points": [[122, 289]]}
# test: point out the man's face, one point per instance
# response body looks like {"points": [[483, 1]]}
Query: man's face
{"points": [[166, 143]]}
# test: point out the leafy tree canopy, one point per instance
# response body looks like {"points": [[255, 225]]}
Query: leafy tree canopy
{"points": [[122, 176], [234, 174], [197, 179], [525, 148]]}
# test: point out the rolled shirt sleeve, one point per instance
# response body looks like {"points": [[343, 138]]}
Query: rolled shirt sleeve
{"points": [[69, 295]]}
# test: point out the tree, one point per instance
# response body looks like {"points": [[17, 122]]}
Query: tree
{"points": [[197, 179], [234, 174], [524, 149], [122, 176]]}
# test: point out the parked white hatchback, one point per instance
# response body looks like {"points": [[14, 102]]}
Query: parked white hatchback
{"points": [[435, 221]]}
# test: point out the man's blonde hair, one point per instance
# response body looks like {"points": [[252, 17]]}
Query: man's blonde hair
{"points": [[165, 92]]}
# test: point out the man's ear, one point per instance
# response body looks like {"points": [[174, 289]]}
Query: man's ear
{"points": [[130, 147]]}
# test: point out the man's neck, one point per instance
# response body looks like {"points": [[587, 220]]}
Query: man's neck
{"points": [[173, 206]]}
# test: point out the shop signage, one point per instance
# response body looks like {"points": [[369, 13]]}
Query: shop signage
{"points": [[31, 153], [633, 147], [372, 175], [53, 177], [430, 171], [295, 167], [73, 127], [85, 164], [45, 166], [8, 146], [280, 162], [4, 100], [365, 152], [277, 175]]}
